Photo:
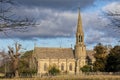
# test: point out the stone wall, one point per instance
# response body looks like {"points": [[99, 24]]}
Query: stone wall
{"points": [[64, 65]]}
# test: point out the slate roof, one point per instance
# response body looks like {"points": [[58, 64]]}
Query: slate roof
{"points": [[54, 53]]}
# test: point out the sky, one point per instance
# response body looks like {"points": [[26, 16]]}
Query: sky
{"points": [[57, 21]]}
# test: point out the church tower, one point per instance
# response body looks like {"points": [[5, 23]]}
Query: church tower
{"points": [[80, 48]]}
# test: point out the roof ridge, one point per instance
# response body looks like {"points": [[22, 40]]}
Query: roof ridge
{"points": [[53, 48]]}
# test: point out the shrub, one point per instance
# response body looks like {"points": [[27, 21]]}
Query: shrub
{"points": [[53, 71], [86, 68]]}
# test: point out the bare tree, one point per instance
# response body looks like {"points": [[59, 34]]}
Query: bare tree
{"points": [[114, 17], [14, 55], [9, 20]]}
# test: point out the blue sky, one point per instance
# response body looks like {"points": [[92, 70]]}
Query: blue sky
{"points": [[57, 21]]}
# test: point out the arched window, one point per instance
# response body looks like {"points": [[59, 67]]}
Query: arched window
{"points": [[80, 38], [70, 67], [45, 67], [62, 67]]}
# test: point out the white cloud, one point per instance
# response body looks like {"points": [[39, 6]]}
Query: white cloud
{"points": [[112, 7]]}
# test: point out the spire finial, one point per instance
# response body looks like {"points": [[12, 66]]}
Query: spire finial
{"points": [[79, 10]]}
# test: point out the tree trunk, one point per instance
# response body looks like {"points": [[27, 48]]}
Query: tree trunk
{"points": [[16, 67]]}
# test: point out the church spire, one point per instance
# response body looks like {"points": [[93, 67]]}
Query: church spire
{"points": [[79, 32], [80, 48], [79, 25]]}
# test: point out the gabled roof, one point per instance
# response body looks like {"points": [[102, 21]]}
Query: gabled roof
{"points": [[54, 53]]}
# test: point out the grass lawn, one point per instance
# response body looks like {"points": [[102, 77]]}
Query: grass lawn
{"points": [[72, 77]]}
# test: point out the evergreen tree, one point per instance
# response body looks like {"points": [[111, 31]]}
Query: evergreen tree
{"points": [[100, 56], [113, 60], [24, 64]]}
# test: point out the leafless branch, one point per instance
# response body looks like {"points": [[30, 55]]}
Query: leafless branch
{"points": [[9, 20]]}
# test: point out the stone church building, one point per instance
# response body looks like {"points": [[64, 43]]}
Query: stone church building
{"points": [[65, 59]]}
